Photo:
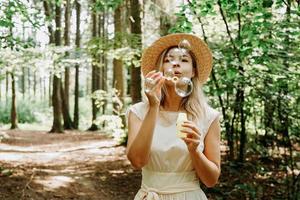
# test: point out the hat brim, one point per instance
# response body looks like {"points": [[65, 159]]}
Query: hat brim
{"points": [[201, 51]]}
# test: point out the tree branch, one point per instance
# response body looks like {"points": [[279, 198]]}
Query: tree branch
{"points": [[228, 31], [199, 19]]}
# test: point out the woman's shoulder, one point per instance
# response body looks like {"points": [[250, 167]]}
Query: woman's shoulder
{"points": [[140, 105], [210, 111], [139, 109], [210, 115]]}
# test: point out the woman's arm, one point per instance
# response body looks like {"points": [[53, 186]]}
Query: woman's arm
{"points": [[140, 134], [207, 164]]}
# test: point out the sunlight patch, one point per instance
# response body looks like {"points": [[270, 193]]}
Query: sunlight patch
{"points": [[54, 182], [116, 171]]}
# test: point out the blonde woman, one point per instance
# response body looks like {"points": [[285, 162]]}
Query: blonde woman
{"points": [[172, 166]]}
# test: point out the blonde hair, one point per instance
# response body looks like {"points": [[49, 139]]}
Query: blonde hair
{"points": [[195, 104]]}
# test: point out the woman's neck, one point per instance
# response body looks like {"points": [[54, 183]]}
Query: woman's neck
{"points": [[172, 102]]}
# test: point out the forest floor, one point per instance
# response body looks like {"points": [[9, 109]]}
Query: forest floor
{"points": [[74, 165], [88, 166]]}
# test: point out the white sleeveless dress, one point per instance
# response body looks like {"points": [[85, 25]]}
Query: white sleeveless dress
{"points": [[169, 174]]}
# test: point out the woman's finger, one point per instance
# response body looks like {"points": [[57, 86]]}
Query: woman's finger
{"points": [[190, 140], [158, 86], [150, 74], [156, 75], [190, 133], [191, 126]]}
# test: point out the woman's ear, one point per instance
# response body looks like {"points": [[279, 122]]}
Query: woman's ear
{"points": [[193, 72]]}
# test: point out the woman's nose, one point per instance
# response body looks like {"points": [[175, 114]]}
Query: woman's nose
{"points": [[176, 64]]}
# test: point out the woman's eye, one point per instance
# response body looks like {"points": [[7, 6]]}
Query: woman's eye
{"points": [[184, 60]]}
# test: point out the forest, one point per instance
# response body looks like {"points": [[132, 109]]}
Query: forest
{"points": [[70, 69]]}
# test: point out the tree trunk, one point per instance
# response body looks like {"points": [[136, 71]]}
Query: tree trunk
{"points": [[14, 115], [77, 42], [50, 89], [229, 135], [118, 71], [103, 71], [23, 82], [94, 74], [65, 91], [66, 116], [48, 12], [284, 111], [56, 96], [135, 71], [41, 88], [45, 89], [28, 82], [6, 87], [99, 70], [34, 84], [239, 101], [56, 102]]}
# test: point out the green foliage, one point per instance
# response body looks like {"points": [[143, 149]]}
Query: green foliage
{"points": [[9, 9], [256, 49], [102, 5], [182, 25], [123, 46], [28, 111]]}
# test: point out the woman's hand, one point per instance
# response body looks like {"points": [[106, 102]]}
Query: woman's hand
{"points": [[192, 139], [154, 95]]}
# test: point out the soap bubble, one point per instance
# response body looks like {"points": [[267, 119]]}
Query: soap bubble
{"points": [[169, 74], [184, 86], [149, 84], [184, 46]]}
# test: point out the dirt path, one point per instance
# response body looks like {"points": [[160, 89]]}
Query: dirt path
{"points": [[74, 165]]}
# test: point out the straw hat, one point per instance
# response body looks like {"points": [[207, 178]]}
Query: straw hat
{"points": [[198, 47]]}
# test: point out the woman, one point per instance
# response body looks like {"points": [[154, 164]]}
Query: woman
{"points": [[171, 166]]}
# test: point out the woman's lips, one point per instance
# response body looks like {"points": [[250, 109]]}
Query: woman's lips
{"points": [[176, 73]]}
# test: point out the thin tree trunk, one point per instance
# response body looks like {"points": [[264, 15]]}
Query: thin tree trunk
{"points": [[103, 70], [6, 87], [243, 135], [56, 95], [239, 101], [229, 135], [48, 11], [45, 89], [135, 10], [28, 82], [50, 90], [99, 70], [68, 124], [66, 116], [34, 84], [23, 82], [56, 102], [283, 111], [77, 42], [94, 127], [41, 88], [14, 115]]}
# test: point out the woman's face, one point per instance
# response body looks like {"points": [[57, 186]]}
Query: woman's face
{"points": [[180, 62]]}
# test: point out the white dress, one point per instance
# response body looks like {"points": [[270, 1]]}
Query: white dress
{"points": [[169, 174]]}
